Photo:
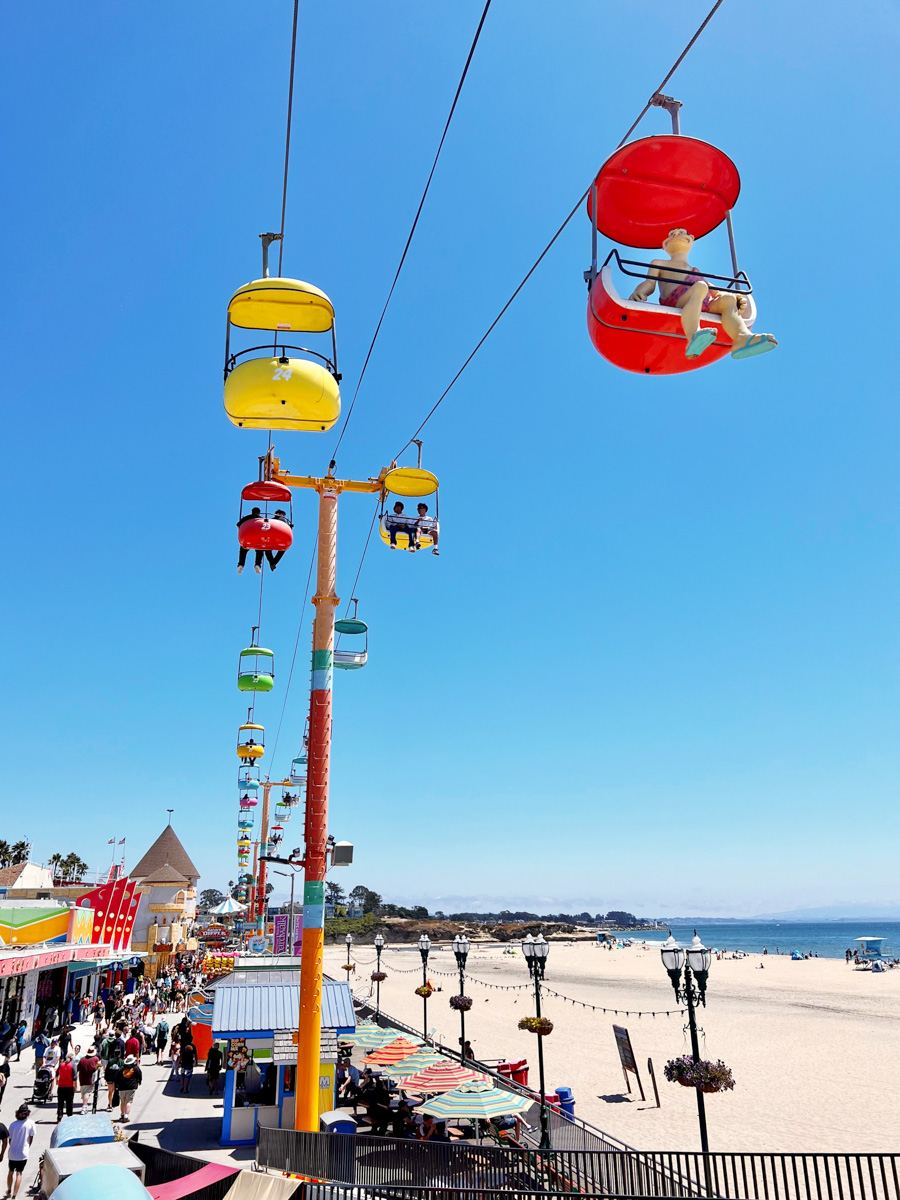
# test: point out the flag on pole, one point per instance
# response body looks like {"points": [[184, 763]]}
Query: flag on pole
{"points": [[122, 843], [111, 842]]}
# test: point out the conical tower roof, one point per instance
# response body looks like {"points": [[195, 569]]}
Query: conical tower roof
{"points": [[166, 850]]}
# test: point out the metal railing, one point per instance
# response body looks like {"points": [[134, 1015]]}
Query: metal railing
{"points": [[389, 1163]]}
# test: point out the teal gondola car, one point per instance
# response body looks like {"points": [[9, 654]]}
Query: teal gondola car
{"points": [[352, 660]]}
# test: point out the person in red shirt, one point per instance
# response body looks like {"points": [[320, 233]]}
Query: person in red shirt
{"points": [[133, 1046], [65, 1087]]}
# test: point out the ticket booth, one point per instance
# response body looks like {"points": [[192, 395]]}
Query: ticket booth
{"points": [[254, 1022]]}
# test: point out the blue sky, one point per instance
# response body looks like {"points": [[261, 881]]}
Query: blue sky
{"points": [[655, 666]]}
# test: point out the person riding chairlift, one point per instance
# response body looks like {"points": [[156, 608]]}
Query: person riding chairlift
{"points": [[253, 515], [275, 556], [427, 525], [400, 523]]}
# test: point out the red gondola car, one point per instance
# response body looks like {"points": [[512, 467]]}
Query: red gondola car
{"points": [[641, 192], [265, 532]]}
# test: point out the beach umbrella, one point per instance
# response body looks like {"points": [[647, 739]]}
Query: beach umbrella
{"points": [[373, 1037], [415, 1062], [479, 1100], [441, 1077], [391, 1053]]}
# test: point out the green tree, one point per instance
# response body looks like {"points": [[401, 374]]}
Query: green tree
{"points": [[18, 852], [71, 868], [5, 853], [334, 894], [56, 865], [368, 900], [210, 897]]}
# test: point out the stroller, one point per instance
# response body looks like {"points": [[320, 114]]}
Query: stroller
{"points": [[43, 1086]]}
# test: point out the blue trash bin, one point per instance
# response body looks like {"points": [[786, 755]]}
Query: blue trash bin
{"points": [[566, 1100]]}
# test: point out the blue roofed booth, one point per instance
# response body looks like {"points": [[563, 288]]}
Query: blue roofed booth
{"points": [[254, 1021]]}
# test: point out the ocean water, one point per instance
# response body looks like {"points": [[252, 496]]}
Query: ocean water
{"points": [[828, 939]]}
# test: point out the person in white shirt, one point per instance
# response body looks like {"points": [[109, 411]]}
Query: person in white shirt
{"points": [[52, 1059], [397, 522], [428, 525], [21, 1135]]}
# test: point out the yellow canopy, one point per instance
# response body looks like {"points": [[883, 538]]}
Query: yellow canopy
{"points": [[281, 304]]}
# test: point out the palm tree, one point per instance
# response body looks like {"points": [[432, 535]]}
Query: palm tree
{"points": [[19, 852], [56, 865], [5, 853]]}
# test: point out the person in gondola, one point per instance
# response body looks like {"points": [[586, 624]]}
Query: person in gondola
{"points": [[689, 291], [254, 514], [274, 557], [427, 525], [398, 522]]}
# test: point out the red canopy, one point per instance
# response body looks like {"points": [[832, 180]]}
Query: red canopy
{"points": [[660, 183], [267, 489], [194, 1184]]}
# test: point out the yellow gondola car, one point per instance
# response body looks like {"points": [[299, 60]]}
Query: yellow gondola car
{"points": [[281, 390], [414, 482], [250, 746]]}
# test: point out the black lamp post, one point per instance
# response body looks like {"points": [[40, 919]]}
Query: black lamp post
{"points": [[349, 940], [536, 952], [461, 950], [379, 946], [424, 947], [688, 972]]}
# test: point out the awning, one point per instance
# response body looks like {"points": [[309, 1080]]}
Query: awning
{"points": [[194, 1184]]}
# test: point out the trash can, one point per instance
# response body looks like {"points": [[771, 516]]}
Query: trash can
{"points": [[520, 1072], [336, 1121], [566, 1100]]}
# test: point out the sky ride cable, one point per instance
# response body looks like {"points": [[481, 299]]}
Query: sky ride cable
{"points": [[581, 199], [459, 87], [287, 136]]}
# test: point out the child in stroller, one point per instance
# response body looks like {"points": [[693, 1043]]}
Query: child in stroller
{"points": [[43, 1086]]}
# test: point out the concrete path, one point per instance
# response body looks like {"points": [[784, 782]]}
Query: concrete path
{"points": [[160, 1115]]}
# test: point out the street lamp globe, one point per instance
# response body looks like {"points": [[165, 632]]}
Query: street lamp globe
{"points": [[461, 948], [424, 945], [541, 947], [379, 941], [672, 955], [698, 956], [528, 948], [348, 939]]}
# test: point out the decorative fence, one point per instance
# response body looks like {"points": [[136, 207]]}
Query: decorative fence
{"points": [[395, 1165]]}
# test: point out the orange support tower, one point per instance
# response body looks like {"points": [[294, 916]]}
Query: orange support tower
{"points": [[306, 1111]]}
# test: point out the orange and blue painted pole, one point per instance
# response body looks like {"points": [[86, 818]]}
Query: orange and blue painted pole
{"points": [[306, 1110]]}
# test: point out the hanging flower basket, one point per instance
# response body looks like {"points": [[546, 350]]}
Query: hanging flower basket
{"points": [[425, 991], [461, 1003], [378, 977], [347, 966], [705, 1076], [539, 1025]]}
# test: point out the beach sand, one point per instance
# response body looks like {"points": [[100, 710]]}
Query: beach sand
{"points": [[814, 1045]]}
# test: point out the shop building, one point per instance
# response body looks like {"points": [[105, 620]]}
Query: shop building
{"points": [[167, 912], [254, 1020]]}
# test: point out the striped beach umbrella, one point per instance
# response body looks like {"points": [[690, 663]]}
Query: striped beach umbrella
{"points": [[391, 1053], [440, 1077], [479, 1100], [415, 1062], [373, 1037]]}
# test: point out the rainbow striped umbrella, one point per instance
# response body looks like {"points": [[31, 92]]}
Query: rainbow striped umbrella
{"points": [[391, 1053], [415, 1062], [440, 1077], [478, 1100]]}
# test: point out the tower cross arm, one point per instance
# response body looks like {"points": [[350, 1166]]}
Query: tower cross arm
{"points": [[328, 481]]}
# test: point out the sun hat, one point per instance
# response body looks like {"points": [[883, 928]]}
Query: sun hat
{"points": [[130, 1061]]}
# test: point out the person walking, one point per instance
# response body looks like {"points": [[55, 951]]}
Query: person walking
{"points": [[161, 1036], [4, 1075], [20, 1038], [188, 1062], [65, 1087], [128, 1081], [39, 1044], [88, 1069], [21, 1135], [213, 1068]]}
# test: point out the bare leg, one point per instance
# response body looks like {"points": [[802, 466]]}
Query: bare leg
{"points": [[733, 323], [691, 305]]}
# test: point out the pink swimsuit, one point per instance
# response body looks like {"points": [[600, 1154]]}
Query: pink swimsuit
{"points": [[671, 301]]}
